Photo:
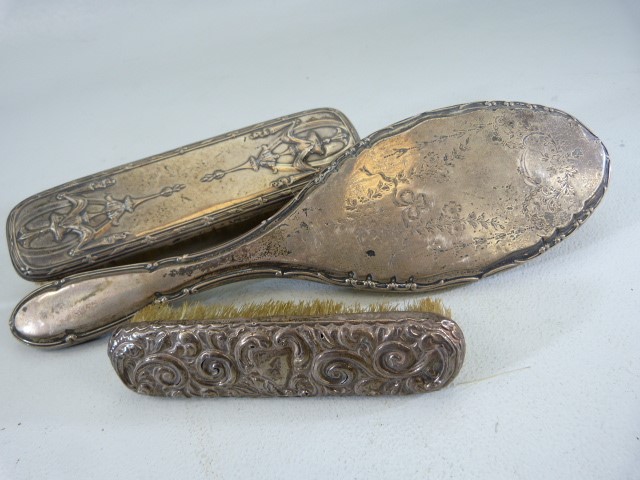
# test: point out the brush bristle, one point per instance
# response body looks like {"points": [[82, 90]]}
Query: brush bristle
{"points": [[193, 312]]}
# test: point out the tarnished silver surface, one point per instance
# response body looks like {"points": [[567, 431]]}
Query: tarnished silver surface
{"points": [[173, 196], [440, 199], [347, 354]]}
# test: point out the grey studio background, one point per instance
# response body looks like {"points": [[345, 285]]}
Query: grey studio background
{"points": [[551, 382]]}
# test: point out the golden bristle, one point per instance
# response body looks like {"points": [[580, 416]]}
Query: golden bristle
{"points": [[192, 312]]}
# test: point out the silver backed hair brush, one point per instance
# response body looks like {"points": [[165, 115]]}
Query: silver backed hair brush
{"points": [[440, 199]]}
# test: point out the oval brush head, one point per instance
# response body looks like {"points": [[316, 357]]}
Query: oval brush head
{"points": [[288, 349]]}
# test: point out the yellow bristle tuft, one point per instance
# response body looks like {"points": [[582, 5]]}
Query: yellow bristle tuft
{"points": [[193, 312]]}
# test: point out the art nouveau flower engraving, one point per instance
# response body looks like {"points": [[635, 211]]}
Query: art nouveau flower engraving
{"points": [[289, 148], [80, 220]]}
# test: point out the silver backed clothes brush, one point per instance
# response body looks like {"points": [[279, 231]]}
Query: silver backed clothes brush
{"points": [[287, 349], [440, 199], [154, 205]]}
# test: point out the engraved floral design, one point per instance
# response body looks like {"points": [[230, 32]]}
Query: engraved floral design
{"points": [[507, 131], [451, 221], [546, 167], [385, 185], [434, 166], [495, 239], [413, 205], [549, 171], [371, 194]]}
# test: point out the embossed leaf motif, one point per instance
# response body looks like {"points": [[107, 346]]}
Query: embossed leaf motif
{"points": [[302, 359]]}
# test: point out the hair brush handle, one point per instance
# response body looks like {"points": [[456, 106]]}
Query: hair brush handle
{"points": [[87, 305]]}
